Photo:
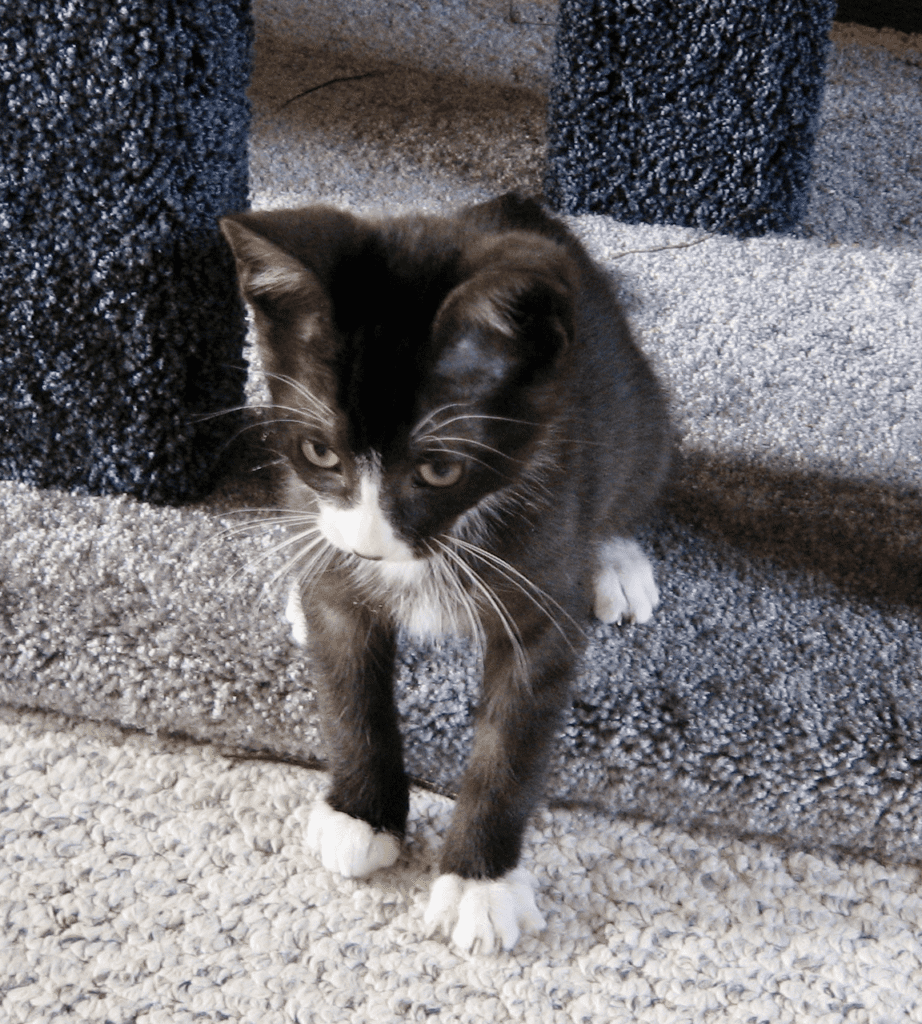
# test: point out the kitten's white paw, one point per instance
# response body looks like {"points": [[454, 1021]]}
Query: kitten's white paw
{"points": [[479, 912], [624, 587], [347, 845], [294, 612]]}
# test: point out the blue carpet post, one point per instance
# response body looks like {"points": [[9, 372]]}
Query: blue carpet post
{"points": [[124, 139], [700, 113]]}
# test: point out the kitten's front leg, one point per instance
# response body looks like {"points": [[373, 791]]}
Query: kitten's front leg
{"points": [[481, 897], [357, 828]]}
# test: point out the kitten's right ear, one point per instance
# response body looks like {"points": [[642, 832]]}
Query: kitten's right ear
{"points": [[266, 272]]}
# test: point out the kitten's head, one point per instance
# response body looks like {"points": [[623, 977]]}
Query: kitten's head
{"points": [[414, 366]]}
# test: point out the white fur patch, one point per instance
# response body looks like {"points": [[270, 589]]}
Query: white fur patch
{"points": [[624, 587], [422, 607], [362, 528], [294, 613], [347, 845], [479, 913], [275, 278], [419, 591]]}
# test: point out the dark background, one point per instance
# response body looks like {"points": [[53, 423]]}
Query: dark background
{"points": [[904, 15]]}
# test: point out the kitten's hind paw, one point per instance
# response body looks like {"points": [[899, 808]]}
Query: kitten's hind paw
{"points": [[624, 586], [347, 845], [478, 912]]}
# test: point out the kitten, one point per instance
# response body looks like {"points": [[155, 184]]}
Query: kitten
{"points": [[470, 436]]}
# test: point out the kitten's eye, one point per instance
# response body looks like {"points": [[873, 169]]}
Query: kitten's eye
{"points": [[440, 473], [320, 454]]}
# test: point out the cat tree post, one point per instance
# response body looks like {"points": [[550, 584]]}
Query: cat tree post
{"points": [[694, 112], [124, 139]]}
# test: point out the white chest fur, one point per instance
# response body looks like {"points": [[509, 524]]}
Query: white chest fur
{"points": [[423, 594]]}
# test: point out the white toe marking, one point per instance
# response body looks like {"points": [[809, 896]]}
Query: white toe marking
{"points": [[294, 612], [347, 845], [624, 587], [477, 913]]}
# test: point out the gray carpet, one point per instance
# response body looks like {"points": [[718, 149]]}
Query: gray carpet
{"points": [[154, 882], [778, 691]]}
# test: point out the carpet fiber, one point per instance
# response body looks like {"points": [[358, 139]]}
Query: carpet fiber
{"points": [[693, 112], [164, 883], [125, 137], [768, 720]]}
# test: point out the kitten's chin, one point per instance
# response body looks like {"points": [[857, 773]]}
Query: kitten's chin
{"points": [[396, 557]]}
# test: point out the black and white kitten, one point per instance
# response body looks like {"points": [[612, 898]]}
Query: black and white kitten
{"points": [[471, 437]]}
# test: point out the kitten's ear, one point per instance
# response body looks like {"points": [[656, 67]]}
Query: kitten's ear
{"points": [[512, 319], [284, 259], [266, 272]]}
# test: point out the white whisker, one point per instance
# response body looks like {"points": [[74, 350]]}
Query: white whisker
{"points": [[316, 541], [320, 558], [499, 609], [483, 416], [540, 598], [433, 433], [431, 415], [203, 416], [309, 397], [449, 580], [268, 465], [276, 517], [275, 549], [435, 447], [434, 439]]}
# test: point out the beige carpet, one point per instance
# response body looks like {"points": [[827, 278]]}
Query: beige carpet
{"points": [[158, 883]]}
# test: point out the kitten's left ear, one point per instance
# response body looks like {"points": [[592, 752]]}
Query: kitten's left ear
{"points": [[265, 271]]}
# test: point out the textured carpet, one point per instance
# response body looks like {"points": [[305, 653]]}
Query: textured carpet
{"points": [[692, 112], [162, 883], [125, 131], [775, 697]]}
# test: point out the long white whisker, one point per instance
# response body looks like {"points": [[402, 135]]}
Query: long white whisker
{"points": [[251, 407], [484, 416], [431, 415], [308, 396], [433, 434], [502, 613], [277, 516], [312, 553], [449, 579], [464, 440], [264, 556], [314, 569], [531, 590], [299, 418], [203, 416], [238, 529], [466, 455], [312, 534], [268, 465], [260, 509], [248, 529]]}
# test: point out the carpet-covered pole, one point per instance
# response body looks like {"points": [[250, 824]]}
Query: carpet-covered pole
{"points": [[693, 112], [124, 139]]}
